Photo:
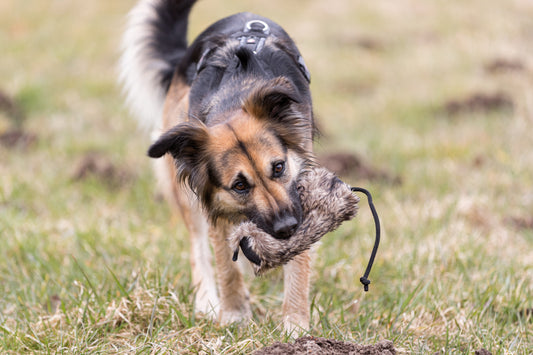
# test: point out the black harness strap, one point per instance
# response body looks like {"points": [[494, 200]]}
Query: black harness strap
{"points": [[253, 36]]}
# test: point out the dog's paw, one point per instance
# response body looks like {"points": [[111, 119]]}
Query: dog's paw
{"points": [[207, 304], [242, 316], [295, 325]]}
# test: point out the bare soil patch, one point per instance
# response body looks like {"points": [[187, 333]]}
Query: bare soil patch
{"points": [[309, 345], [369, 43], [11, 108], [479, 102], [504, 65], [347, 164], [101, 167], [364, 42], [14, 137], [17, 138], [520, 222], [314, 346]]}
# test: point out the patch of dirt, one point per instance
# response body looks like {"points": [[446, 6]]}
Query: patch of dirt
{"points": [[520, 223], [479, 161], [10, 107], [350, 165], [102, 168], [369, 43], [17, 138], [316, 346], [354, 87], [12, 135], [364, 42], [479, 102], [503, 65]]}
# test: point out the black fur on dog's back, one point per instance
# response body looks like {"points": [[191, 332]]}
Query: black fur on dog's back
{"points": [[227, 65], [155, 49]]}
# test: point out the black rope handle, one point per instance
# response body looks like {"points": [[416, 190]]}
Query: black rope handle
{"points": [[364, 279]]}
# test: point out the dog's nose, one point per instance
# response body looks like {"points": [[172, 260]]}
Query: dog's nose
{"points": [[285, 226]]}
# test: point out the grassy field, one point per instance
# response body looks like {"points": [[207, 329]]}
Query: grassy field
{"points": [[437, 93]]}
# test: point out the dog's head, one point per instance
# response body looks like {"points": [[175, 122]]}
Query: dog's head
{"points": [[246, 167]]}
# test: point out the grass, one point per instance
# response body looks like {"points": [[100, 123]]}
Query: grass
{"points": [[92, 267]]}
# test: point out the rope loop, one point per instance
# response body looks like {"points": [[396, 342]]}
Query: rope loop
{"points": [[364, 279]]}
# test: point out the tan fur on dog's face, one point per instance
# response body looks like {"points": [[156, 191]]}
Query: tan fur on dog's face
{"points": [[246, 163], [256, 174]]}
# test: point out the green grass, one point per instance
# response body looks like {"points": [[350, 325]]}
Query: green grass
{"points": [[92, 267]]}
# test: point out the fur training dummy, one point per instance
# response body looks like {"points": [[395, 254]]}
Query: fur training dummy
{"points": [[326, 203]]}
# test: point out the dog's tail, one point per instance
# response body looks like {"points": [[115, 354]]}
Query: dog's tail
{"points": [[154, 42]]}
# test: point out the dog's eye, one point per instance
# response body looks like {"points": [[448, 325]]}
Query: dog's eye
{"points": [[240, 187], [279, 168]]}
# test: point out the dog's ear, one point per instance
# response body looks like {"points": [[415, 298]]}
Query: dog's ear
{"points": [[273, 99], [277, 102], [181, 141], [187, 143]]}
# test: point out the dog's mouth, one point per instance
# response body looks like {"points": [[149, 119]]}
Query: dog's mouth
{"points": [[280, 227], [283, 224], [248, 252]]}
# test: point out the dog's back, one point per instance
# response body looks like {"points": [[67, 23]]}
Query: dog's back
{"points": [[155, 49]]}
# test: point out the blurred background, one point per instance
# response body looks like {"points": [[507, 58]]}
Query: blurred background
{"points": [[428, 104]]}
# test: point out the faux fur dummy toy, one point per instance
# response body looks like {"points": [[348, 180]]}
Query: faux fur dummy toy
{"points": [[326, 203]]}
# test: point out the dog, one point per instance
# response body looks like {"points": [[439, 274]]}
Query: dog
{"points": [[232, 129]]}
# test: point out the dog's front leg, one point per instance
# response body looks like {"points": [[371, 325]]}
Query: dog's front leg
{"points": [[234, 296], [183, 201], [296, 294]]}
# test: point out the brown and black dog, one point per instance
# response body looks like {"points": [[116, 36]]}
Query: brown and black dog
{"points": [[233, 111]]}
